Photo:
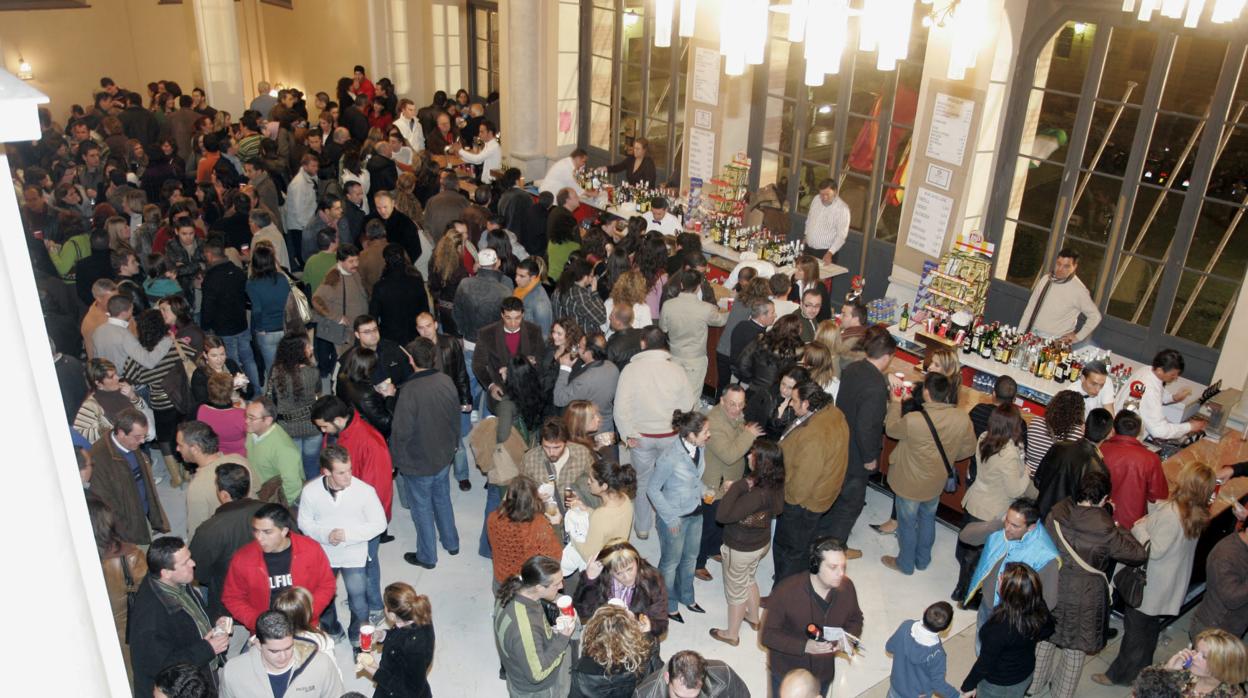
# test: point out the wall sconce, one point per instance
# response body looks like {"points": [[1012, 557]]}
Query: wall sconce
{"points": [[24, 71]]}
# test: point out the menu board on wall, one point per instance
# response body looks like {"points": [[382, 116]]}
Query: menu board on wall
{"points": [[701, 154], [930, 221], [950, 129], [706, 76]]}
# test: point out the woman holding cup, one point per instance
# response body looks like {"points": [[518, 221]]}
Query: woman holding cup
{"points": [[403, 669], [534, 655], [522, 527]]}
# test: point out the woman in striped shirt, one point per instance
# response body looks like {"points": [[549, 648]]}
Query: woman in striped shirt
{"points": [[152, 328], [1063, 421]]}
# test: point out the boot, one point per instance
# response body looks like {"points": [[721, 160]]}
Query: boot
{"points": [[176, 475]]}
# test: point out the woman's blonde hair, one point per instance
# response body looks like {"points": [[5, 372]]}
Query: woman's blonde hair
{"points": [[296, 604], [403, 601], [1225, 656], [629, 289], [618, 554], [615, 640], [1191, 494], [828, 333], [821, 363], [576, 417], [446, 254], [944, 361]]}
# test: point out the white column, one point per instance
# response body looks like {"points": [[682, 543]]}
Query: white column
{"points": [[524, 85], [53, 578], [217, 32]]}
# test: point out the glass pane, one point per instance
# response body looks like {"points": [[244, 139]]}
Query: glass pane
{"points": [[483, 81], [825, 98], [890, 214], [600, 126], [1094, 212], [811, 174], [778, 126], [630, 127], [600, 78], [819, 134], [1136, 292], [860, 135], [774, 170], [1130, 58], [1039, 201], [869, 84], [1193, 75], [854, 193], [1170, 136], [1064, 68], [1057, 121], [785, 71], [630, 89], [569, 27], [660, 77], [1212, 226], [481, 23], [1115, 136], [1241, 94], [656, 133], [1229, 181], [1091, 259], [602, 33], [1214, 300], [1027, 254], [1153, 222]]}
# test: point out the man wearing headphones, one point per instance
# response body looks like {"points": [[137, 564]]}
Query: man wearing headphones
{"points": [[810, 617]]}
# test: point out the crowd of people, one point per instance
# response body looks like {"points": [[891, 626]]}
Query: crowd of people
{"points": [[294, 318]]}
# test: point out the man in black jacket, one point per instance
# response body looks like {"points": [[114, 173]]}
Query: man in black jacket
{"points": [[625, 340], [492, 352], [383, 173], [532, 234], [863, 397], [450, 360], [169, 621], [139, 123], [399, 227], [1062, 469], [393, 361], [224, 307], [228, 529], [353, 118], [426, 436]]}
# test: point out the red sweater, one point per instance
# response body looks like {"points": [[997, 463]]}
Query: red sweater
{"points": [[370, 458], [246, 591], [1136, 478]]}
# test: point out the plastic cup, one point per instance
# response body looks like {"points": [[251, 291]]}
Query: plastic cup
{"points": [[366, 637], [564, 603]]}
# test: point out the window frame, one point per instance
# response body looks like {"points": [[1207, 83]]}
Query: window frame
{"points": [[490, 7]]}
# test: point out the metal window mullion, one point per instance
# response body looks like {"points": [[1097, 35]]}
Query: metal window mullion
{"points": [[1063, 207], [585, 61], [841, 125], [647, 46], [1211, 146], [758, 123], [798, 146], [617, 81], [673, 71]]}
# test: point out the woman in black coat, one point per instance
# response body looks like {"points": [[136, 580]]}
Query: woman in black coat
{"points": [[408, 650], [763, 361], [616, 654], [355, 387], [398, 297]]}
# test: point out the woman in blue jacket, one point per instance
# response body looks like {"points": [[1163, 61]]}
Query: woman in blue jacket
{"points": [[675, 490], [267, 289]]}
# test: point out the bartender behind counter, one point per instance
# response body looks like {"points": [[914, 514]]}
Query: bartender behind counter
{"points": [[1058, 300], [1147, 389]]}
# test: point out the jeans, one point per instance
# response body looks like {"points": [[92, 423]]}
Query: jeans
{"points": [[790, 551], [840, 519], [310, 449], [644, 457], [493, 497], [372, 590], [267, 343], [712, 534], [678, 551], [460, 463], [238, 348], [355, 579], [991, 690], [430, 498], [916, 531]]}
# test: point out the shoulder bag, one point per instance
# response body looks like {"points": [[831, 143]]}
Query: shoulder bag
{"points": [[951, 480], [177, 386], [132, 591], [1130, 582], [298, 309], [1057, 526]]}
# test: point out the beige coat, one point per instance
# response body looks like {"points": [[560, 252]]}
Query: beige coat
{"points": [[337, 297], [686, 319], [484, 443], [201, 491], [726, 451], [915, 470], [1002, 479], [816, 456]]}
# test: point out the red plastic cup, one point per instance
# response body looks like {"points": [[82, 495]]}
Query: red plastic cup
{"points": [[565, 606], [366, 637]]}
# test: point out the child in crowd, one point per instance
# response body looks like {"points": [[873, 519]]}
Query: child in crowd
{"points": [[919, 657]]}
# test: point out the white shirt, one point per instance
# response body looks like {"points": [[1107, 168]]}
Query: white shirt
{"points": [[559, 175], [1152, 397], [641, 316], [765, 270], [300, 203], [669, 226], [784, 306], [356, 510], [1091, 402], [490, 158], [827, 225], [412, 132]]}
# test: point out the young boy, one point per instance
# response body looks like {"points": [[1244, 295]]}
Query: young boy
{"points": [[918, 656]]}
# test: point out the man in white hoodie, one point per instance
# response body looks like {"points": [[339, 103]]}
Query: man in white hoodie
{"points": [[278, 659], [343, 514]]}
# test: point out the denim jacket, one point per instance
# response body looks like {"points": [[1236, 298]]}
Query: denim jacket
{"points": [[675, 488]]}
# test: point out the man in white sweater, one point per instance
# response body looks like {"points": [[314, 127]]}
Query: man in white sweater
{"points": [[343, 513], [651, 387], [1058, 300], [1145, 391]]}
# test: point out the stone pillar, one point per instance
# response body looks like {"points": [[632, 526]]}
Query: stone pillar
{"points": [[217, 31], [527, 90], [50, 545]]}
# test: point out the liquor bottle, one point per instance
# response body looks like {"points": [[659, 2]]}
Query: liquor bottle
{"points": [[904, 323]]}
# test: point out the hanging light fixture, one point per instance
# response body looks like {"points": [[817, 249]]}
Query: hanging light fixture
{"points": [[968, 22], [825, 39], [1172, 8], [755, 30], [24, 71], [1194, 10], [1226, 11], [663, 22], [732, 36], [1189, 11], [688, 12], [798, 10], [895, 44]]}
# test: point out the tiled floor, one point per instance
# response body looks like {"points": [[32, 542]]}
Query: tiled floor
{"points": [[466, 664]]}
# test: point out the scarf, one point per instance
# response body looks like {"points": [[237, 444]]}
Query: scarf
{"points": [[521, 292], [182, 595]]}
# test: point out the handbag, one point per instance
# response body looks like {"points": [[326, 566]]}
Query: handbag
{"points": [[177, 388], [298, 310], [132, 592], [1130, 582], [951, 479], [188, 365]]}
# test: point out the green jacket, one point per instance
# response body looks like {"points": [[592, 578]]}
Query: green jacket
{"points": [[67, 256], [277, 455], [530, 649]]}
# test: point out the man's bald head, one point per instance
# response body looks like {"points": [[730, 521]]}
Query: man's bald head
{"points": [[799, 683]]}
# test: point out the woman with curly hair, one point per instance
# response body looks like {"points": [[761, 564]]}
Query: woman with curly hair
{"points": [[762, 362], [293, 385], [746, 511], [152, 329], [616, 654], [404, 195], [1171, 530], [630, 289], [1063, 421], [564, 341], [445, 272], [651, 261], [629, 578]]}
